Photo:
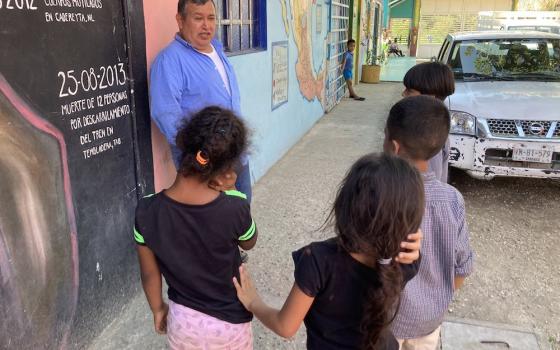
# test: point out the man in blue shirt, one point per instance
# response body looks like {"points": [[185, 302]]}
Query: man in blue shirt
{"points": [[191, 73]]}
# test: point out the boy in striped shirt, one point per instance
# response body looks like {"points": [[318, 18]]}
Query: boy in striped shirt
{"points": [[417, 128]]}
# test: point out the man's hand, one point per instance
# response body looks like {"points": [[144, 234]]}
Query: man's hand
{"points": [[224, 182], [246, 291], [160, 319], [411, 248]]}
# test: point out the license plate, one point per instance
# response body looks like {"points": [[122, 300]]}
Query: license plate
{"points": [[535, 154]]}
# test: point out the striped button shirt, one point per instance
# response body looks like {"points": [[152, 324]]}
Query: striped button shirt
{"points": [[446, 253]]}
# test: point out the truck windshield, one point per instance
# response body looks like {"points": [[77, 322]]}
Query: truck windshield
{"points": [[506, 59]]}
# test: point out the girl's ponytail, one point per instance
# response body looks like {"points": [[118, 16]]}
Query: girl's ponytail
{"points": [[382, 305]]}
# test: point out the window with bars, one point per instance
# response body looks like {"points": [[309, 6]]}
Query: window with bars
{"points": [[241, 25]]}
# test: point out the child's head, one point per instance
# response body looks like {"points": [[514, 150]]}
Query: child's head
{"points": [[351, 44], [211, 143], [417, 128], [379, 203], [429, 78]]}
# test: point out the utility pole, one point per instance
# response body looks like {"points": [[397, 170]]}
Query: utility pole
{"points": [[414, 30]]}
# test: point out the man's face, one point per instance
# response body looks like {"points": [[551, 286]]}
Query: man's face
{"points": [[197, 25], [351, 47]]}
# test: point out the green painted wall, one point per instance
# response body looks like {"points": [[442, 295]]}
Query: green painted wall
{"points": [[404, 10]]}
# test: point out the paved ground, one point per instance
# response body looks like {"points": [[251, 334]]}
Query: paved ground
{"points": [[514, 233], [395, 68]]}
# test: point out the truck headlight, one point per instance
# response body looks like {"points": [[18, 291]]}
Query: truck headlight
{"points": [[462, 123]]}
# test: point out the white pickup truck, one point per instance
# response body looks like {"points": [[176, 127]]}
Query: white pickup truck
{"points": [[505, 112]]}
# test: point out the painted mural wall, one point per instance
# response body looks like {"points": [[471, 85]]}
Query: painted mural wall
{"points": [[303, 25], [276, 131], [69, 176]]}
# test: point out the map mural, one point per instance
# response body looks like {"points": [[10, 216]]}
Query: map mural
{"points": [[298, 16]]}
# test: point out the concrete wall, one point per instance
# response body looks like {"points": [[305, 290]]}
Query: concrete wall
{"points": [[459, 15], [274, 132]]}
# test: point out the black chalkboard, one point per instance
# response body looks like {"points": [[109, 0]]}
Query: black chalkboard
{"points": [[74, 135]]}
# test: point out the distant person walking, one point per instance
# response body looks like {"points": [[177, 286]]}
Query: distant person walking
{"points": [[191, 73]]}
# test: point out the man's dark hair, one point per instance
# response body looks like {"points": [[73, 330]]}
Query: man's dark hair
{"points": [[211, 142], [431, 78], [183, 4], [420, 124], [350, 41]]}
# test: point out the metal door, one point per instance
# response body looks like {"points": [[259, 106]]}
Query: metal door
{"points": [[339, 20]]}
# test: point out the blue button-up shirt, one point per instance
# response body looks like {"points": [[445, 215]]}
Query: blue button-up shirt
{"points": [[184, 81]]}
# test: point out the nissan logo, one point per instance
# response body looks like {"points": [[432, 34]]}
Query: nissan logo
{"points": [[536, 129]]}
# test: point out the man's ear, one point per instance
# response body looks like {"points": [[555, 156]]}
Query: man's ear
{"points": [[179, 20], [396, 146]]}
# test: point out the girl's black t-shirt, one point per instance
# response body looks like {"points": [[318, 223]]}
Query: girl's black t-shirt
{"points": [[340, 285], [196, 247]]}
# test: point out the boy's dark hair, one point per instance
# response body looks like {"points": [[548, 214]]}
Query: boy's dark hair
{"points": [[431, 78], [183, 4], [220, 137], [420, 124], [380, 202], [350, 41]]}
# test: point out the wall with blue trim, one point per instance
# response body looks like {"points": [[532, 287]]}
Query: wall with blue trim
{"points": [[386, 11], [276, 131]]}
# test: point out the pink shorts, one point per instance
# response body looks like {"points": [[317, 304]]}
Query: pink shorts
{"points": [[191, 329]]}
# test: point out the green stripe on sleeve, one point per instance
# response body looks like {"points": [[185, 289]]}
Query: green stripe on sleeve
{"points": [[250, 232], [138, 237], [236, 194]]}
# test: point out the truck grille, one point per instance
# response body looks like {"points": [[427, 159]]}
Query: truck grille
{"points": [[531, 128], [500, 127]]}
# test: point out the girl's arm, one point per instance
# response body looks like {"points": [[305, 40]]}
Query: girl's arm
{"points": [[284, 322], [151, 282], [248, 245]]}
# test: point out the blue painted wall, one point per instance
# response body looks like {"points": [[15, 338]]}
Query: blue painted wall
{"points": [[386, 12], [275, 132]]}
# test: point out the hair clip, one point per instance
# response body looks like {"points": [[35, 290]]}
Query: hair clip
{"points": [[221, 131], [384, 261], [200, 158]]}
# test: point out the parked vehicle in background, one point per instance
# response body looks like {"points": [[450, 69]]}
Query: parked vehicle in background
{"points": [[541, 21], [505, 113]]}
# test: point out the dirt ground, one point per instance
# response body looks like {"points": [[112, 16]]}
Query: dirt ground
{"points": [[516, 235]]}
